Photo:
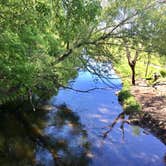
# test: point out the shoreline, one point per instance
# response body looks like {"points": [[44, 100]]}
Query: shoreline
{"points": [[153, 107]]}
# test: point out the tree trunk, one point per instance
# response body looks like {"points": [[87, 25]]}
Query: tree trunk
{"points": [[133, 74], [131, 62]]}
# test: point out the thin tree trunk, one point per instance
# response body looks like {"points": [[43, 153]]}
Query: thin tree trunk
{"points": [[133, 74], [131, 62]]}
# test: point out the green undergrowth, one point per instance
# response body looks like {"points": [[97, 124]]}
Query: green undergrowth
{"points": [[128, 101], [125, 97], [123, 70]]}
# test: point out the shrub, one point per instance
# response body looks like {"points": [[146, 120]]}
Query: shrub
{"points": [[163, 73], [123, 95], [128, 101]]}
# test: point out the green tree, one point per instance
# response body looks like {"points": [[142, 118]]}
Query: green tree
{"points": [[41, 41], [33, 40]]}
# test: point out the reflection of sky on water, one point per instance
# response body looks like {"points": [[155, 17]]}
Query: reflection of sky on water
{"points": [[44, 157], [96, 110], [86, 80]]}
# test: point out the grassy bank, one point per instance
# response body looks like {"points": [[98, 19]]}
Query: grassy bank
{"points": [[128, 101], [123, 70]]}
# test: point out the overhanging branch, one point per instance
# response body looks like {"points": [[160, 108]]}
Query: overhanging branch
{"points": [[105, 36]]}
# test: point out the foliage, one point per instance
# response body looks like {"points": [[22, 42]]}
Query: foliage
{"points": [[33, 36], [128, 101], [41, 41], [123, 95], [163, 73]]}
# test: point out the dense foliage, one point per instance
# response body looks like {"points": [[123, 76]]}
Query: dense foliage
{"points": [[41, 41], [34, 34]]}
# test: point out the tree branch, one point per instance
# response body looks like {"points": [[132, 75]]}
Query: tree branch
{"points": [[105, 36]]}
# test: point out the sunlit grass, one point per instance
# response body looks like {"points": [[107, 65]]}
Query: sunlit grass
{"points": [[122, 68]]}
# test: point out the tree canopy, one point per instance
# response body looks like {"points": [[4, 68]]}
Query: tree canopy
{"points": [[41, 41]]}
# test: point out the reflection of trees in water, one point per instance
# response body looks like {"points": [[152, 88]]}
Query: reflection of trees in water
{"points": [[121, 118], [16, 148], [165, 159], [131, 118], [70, 138], [18, 138]]}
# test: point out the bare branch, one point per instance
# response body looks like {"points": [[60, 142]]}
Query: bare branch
{"points": [[105, 36], [83, 91]]}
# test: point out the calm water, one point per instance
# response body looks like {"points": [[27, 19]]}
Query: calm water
{"points": [[77, 131]]}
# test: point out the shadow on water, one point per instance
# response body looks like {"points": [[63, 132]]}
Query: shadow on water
{"points": [[16, 148], [68, 135], [33, 138]]}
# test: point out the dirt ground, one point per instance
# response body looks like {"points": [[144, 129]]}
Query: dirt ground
{"points": [[153, 102]]}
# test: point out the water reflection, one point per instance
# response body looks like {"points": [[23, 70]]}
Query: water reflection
{"points": [[69, 131], [16, 148], [57, 130], [69, 137], [125, 144]]}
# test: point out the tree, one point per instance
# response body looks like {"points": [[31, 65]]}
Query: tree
{"points": [[134, 27], [33, 39], [41, 39], [131, 62]]}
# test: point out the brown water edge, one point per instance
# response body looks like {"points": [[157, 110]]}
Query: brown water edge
{"points": [[153, 103], [142, 119]]}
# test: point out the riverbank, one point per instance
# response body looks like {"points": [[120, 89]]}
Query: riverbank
{"points": [[153, 107], [145, 99], [149, 103]]}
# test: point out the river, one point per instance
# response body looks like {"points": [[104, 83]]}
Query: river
{"points": [[78, 130]]}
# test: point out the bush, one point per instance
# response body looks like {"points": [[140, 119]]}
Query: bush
{"points": [[163, 73], [128, 101], [132, 105], [123, 95]]}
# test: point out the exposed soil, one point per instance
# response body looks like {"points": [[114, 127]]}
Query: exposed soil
{"points": [[153, 101]]}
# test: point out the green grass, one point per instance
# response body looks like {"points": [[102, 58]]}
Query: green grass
{"points": [[128, 101], [157, 65], [122, 68], [163, 73]]}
